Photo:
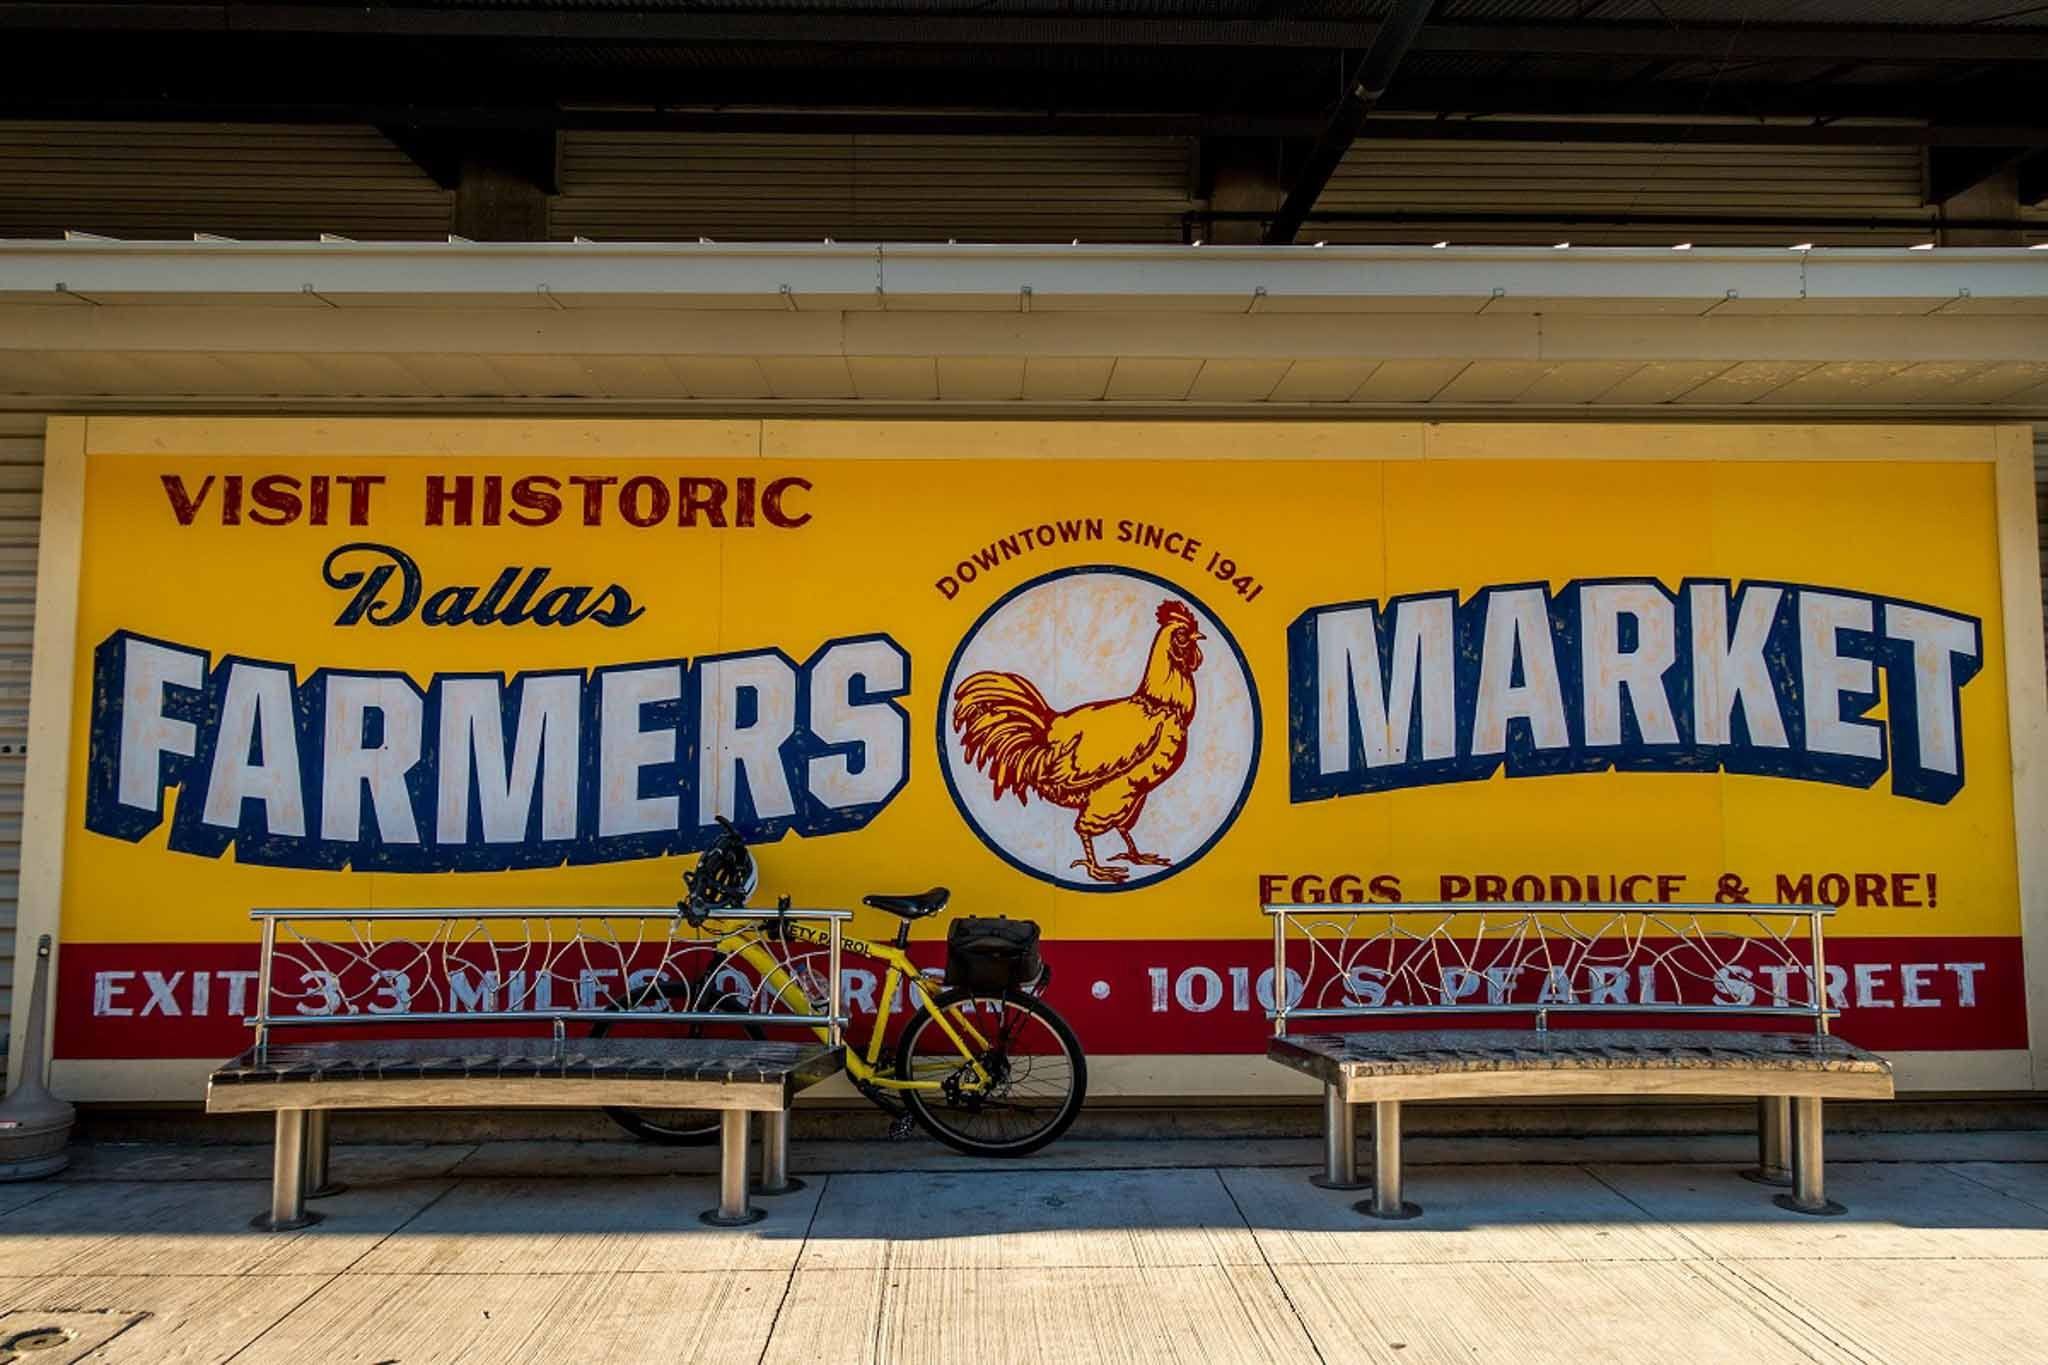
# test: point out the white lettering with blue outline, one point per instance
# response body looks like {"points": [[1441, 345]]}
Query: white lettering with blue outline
{"points": [[1775, 679], [475, 773]]}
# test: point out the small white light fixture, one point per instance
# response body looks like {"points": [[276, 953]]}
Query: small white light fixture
{"points": [[1438, 246], [1322, 243], [1560, 246], [2039, 246], [1682, 246], [1921, 246], [1802, 246], [1198, 241]]}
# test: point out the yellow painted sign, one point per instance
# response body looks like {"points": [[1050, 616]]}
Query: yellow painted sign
{"points": [[1128, 688]]}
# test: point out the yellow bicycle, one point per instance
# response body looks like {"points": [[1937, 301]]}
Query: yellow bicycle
{"points": [[984, 1065]]}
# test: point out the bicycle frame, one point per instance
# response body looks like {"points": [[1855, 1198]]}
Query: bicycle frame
{"points": [[864, 1065]]}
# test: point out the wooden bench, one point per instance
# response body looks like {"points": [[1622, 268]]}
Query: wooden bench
{"points": [[1426, 969], [424, 981]]}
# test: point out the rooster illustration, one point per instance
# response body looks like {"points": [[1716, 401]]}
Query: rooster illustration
{"points": [[1101, 759]]}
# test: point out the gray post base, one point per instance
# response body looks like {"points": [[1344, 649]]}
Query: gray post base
{"points": [[288, 1210], [1340, 1144], [1809, 1193], [733, 1210], [1773, 1127], [775, 1177], [318, 1185], [1386, 1202]]}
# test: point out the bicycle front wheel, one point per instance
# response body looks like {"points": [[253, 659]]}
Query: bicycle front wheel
{"points": [[1037, 1075], [674, 1127]]}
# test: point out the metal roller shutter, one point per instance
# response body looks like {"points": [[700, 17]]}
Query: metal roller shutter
{"points": [[140, 180], [21, 491], [1699, 180], [659, 186]]}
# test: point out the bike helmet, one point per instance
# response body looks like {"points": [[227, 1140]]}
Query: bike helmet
{"points": [[725, 877]]}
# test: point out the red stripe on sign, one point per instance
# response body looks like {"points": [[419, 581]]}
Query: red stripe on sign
{"points": [[1162, 996]]}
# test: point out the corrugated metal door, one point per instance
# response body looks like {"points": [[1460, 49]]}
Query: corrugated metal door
{"points": [[667, 187], [21, 496], [166, 180], [1692, 178]]}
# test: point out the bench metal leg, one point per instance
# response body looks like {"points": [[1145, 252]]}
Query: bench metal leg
{"points": [[1386, 1199], [1340, 1144], [775, 1176], [287, 1177], [1809, 1193], [318, 1186], [733, 1210], [1773, 1127]]}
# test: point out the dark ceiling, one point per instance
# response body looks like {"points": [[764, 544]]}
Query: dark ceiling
{"points": [[1311, 75]]}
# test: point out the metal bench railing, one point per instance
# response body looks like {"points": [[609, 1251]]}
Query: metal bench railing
{"points": [[342, 977], [1455, 963], [1471, 946], [421, 979]]}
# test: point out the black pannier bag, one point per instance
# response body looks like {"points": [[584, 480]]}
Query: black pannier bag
{"points": [[992, 955]]}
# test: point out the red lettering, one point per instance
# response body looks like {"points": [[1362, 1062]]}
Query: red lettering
{"points": [[744, 516], [1269, 882], [184, 506], [534, 500], [702, 495], [1452, 887], [359, 486], [494, 499], [321, 487], [656, 497], [1798, 892], [593, 486], [277, 500], [1870, 888], [771, 503], [445, 493], [231, 500]]}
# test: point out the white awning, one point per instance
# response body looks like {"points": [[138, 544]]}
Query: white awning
{"points": [[92, 323]]}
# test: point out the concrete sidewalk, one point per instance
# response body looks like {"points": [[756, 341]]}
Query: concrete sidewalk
{"points": [[1120, 1251]]}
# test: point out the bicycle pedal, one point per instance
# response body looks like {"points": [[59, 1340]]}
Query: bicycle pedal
{"points": [[901, 1127]]}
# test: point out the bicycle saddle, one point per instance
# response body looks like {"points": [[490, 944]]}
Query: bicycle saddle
{"points": [[911, 907]]}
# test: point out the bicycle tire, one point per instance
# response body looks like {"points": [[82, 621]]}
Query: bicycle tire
{"points": [[931, 1118], [643, 1123]]}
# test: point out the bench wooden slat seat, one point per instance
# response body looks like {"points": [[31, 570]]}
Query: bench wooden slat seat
{"points": [[1452, 1063], [637, 1071]]}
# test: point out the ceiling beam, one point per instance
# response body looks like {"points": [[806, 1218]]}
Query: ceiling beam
{"points": [[1891, 44], [1369, 82], [405, 125], [1698, 133]]}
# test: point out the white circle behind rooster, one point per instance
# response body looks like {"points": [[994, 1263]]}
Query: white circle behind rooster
{"points": [[1099, 728]]}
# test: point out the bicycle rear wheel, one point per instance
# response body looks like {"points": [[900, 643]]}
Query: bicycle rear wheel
{"points": [[1038, 1074]]}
